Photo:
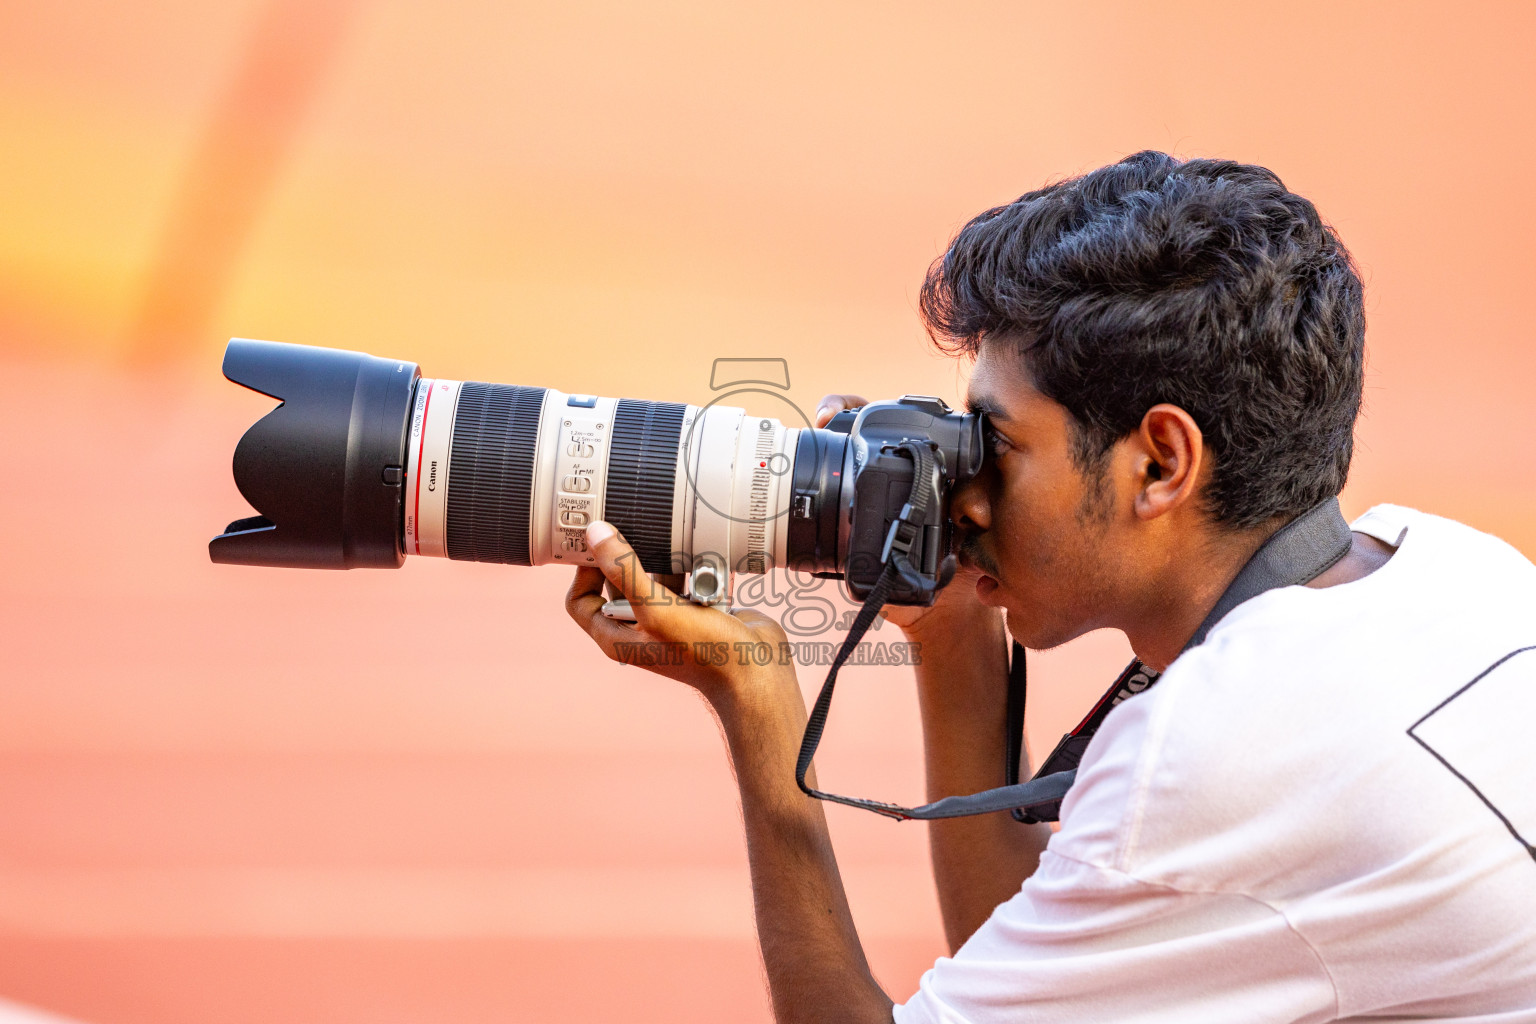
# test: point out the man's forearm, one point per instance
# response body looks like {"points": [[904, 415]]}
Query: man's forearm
{"points": [[811, 952], [962, 683]]}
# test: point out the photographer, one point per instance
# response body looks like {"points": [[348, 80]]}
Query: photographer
{"points": [[1316, 812]]}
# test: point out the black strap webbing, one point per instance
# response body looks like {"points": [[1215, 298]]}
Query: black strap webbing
{"points": [[1297, 553]]}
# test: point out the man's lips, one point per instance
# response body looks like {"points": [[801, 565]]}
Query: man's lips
{"points": [[973, 556], [977, 559]]}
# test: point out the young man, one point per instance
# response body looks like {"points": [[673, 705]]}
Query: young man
{"points": [[1323, 811]]}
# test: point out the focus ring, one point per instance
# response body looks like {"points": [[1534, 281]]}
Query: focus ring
{"points": [[490, 474], [642, 477]]}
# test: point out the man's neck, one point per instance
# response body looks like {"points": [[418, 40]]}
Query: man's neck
{"points": [[1176, 606], [1176, 602]]}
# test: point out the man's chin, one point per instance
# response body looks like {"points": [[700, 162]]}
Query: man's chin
{"points": [[1037, 635], [1035, 629]]}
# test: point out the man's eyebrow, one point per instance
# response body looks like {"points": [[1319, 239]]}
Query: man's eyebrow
{"points": [[985, 404]]}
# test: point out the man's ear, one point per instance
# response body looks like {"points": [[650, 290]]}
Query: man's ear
{"points": [[1168, 451]]}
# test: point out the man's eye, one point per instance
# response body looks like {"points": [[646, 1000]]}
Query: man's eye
{"points": [[997, 444]]}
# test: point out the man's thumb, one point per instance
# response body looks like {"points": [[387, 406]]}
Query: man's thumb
{"points": [[614, 557], [648, 598]]}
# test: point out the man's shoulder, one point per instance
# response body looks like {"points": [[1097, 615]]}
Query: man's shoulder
{"points": [[1447, 589], [1475, 550], [1292, 720]]}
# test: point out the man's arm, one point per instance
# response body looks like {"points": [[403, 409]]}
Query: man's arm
{"points": [[816, 968], [815, 963], [962, 690]]}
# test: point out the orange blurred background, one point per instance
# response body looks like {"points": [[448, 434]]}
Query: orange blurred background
{"points": [[239, 795]]}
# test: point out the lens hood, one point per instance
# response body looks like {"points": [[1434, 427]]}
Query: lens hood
{"points": [[325, 470]]}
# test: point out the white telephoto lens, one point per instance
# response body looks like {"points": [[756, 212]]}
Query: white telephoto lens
{"points": [[501, 473]]}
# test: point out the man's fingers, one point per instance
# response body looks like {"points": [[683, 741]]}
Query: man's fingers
{"points": [[621, 567], [584, 603], [585, 598], [831, 405], [616, 560], [671, 581]]}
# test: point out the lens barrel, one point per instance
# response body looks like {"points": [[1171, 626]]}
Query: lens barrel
{"points": [[495, 433], [642, 478], [816, 511]]}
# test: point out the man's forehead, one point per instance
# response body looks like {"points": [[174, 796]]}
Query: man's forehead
{"points": [[999, 385]]}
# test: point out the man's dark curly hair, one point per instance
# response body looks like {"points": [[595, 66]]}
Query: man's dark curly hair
{"points": [[1204, 283]]}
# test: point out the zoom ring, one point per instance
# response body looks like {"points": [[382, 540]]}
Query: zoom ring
{"points": [[642, 475], [490, 476]]}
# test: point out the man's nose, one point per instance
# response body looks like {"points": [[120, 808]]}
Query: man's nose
{"points": [[969, 507]]}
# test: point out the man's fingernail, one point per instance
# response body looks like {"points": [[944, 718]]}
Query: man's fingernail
{"points": [[824, 409], [598, 532]]}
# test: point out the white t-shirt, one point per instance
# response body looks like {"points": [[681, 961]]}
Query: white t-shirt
{"points": [[1324, 812]]}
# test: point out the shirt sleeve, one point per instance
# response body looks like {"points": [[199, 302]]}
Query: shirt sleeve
{"points": [[1087, 943]]}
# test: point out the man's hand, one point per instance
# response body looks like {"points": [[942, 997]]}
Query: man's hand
{"points": [[674, 637], [815, 965]]}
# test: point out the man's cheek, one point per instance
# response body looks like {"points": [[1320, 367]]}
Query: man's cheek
{"points": [[1048, 559]]}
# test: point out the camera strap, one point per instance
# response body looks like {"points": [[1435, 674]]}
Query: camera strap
{"points": [[1297, 553]]}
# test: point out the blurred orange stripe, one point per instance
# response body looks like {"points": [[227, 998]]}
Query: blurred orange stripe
{"points": [[250, 134]]}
